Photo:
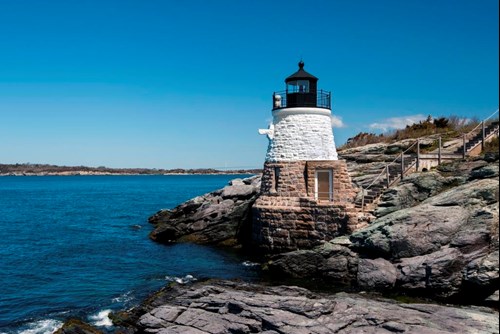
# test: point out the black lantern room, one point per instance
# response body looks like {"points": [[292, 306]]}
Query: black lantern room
{"points": [[301, 91]]}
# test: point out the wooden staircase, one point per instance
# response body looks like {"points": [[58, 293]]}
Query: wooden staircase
{"points": [[407, 162], [477, 139], [392, 175]]}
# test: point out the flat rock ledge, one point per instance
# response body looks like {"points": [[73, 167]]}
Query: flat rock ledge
{"points": [[235, 307]]}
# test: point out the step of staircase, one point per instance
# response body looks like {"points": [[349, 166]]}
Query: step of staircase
{"points": [[474, 141], [394, 171]]}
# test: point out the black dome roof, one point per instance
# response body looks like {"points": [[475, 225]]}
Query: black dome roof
{"points": [[301, 74]]}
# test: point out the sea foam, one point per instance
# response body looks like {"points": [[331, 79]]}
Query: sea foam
{"points": [[181, 280], [46, 326], [101, 319], [250, 264], [124, 298]]}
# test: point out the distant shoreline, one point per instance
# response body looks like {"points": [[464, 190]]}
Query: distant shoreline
{"points": [[122, 174], [53, 170]]}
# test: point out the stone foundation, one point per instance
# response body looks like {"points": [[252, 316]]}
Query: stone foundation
{"points": [[284, 224], [288, 216]]}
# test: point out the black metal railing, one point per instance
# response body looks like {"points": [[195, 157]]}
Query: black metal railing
{"points": [[318, 99]]}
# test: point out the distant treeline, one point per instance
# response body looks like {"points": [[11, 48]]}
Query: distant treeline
{"points": [[29, 168]]}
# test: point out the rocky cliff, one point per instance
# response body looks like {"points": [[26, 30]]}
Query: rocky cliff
{"points": [[436, 234], [433, 234], [222, 217]]}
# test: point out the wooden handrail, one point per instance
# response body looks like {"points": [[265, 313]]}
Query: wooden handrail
{"points": [[386, 167]]}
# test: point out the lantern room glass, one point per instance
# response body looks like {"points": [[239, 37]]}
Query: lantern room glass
{"points": [[298, 86]]}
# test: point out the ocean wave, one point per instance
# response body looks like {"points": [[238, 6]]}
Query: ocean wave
{"points": [[250, 264], [46, 326], [101, 319], [181, 280], [123, 298]]}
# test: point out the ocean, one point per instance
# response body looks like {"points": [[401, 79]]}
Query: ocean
{"points": [[78, 246]]}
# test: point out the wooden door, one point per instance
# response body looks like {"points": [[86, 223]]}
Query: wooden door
{"points": [[324, 185]]}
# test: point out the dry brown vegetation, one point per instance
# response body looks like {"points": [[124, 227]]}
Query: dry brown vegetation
{"points": [[449, 127], [492, 146]]}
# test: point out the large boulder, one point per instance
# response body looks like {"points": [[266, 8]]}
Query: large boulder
{"points": [[331, 261], [221, 217], [377, 274]]}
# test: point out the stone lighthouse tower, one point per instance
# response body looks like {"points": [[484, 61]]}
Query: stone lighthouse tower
{"points": [[306, 193], [301, 128]]}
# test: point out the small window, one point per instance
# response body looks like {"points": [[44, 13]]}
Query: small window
{"points": [[324, 185], [276, 178]]}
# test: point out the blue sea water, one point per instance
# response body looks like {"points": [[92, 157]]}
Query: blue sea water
{"points": [[79, 246]]}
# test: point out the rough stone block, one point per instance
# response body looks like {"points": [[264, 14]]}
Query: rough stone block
{"points": [[308, 226], [376, 274]]}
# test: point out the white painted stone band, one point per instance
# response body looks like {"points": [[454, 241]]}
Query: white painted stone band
{"points": [[301, 134], [301, 110]]}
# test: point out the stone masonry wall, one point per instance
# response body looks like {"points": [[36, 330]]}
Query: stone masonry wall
{"points": [[289, 183], [287, 217], [343, 190], [284, 224]]}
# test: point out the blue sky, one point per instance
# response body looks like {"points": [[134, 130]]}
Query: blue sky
{"points": [[166, 84]]}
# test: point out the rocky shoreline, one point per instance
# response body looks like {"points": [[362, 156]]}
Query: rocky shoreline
{"points": [[433, 235], [238, 307]]}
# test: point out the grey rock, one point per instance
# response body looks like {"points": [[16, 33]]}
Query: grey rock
{"points": [[76, 326], [393, 149], [410, 232], [484, 270], [400, 197], [230, 307], [477, 192], [442, 240], [332, 260], [439, 271], [340, 264], [301, 263], [238, 191], [413, 190], [484, 172], [491, 156], [376, 274], [236, 182], [221, 217], [493, 297]]}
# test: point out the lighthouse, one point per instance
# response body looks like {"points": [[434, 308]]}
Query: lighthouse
{"points": [[306, 192], [301, 128]]}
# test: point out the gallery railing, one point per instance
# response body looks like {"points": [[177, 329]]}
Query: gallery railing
{"points": [[317, 99]]}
